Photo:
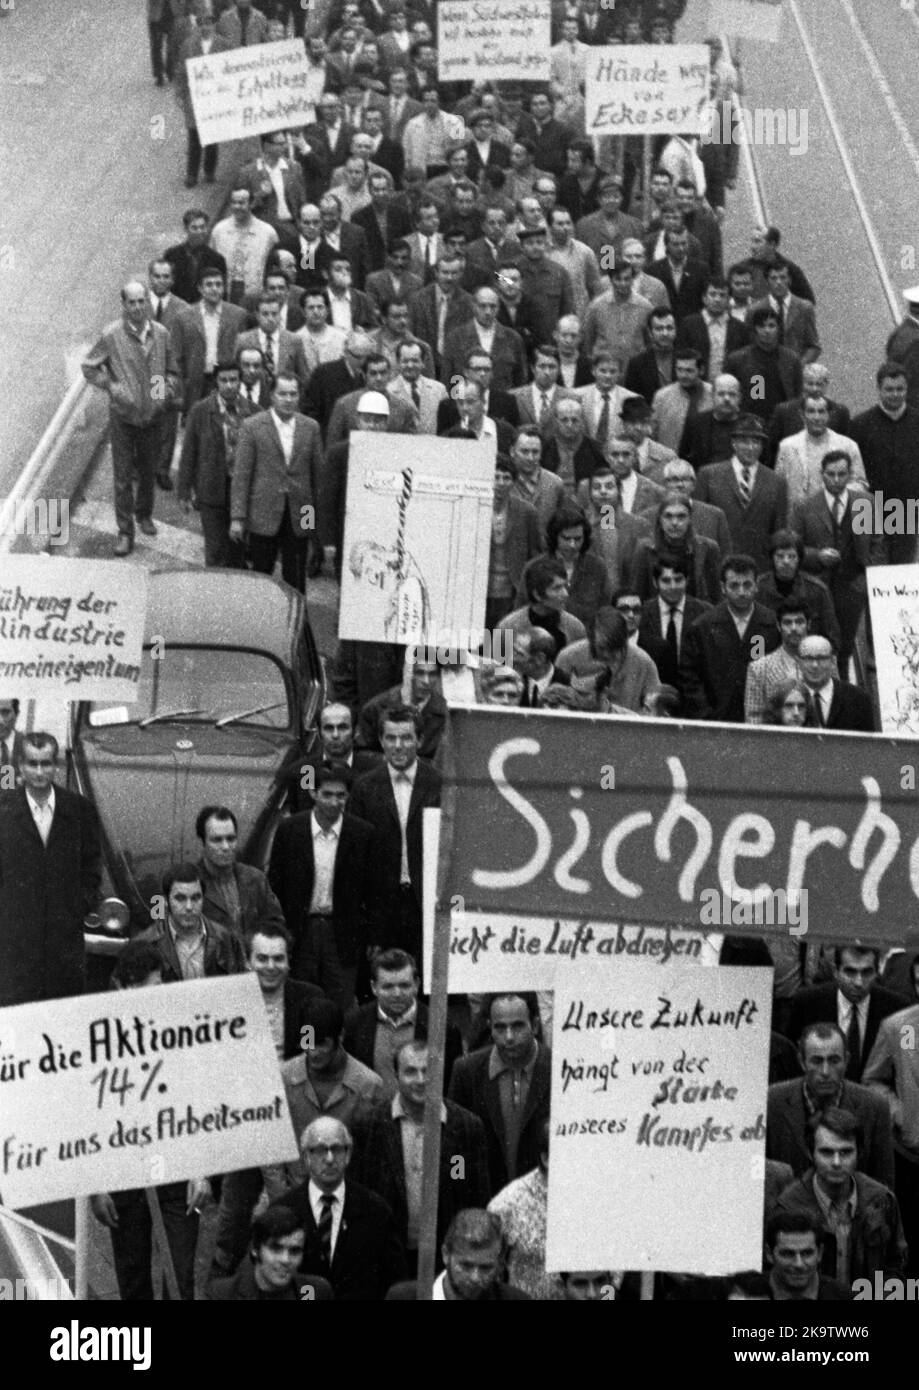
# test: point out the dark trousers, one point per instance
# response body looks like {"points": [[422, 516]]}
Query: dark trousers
{"points": [[316, 960], [239, 1194], [161, 47], [263, 552], [132, 1242], [850, 604], [193, 153], [219, 550], [136, 451], [290, 9], [402, 924], [496, 609]]}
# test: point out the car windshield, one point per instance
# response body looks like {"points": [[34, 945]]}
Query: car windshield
{"points": [[203, 685]]}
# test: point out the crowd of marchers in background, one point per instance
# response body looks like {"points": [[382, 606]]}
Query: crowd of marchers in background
{"points": [[675, 532]]}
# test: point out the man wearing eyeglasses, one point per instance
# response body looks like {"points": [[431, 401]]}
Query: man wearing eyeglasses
{"points": [[350, 1232]]}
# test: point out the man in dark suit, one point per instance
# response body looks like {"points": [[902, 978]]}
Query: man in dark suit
{"points": [[268, 947], [834, 550], [336, 745], [499, 405], [792, 1104], [323, 873], [351, 1237], [753, 499], [331, 380], [551, 139], [797, 316], [507, 1086], [715, 656], [440, 307], [697, 330], [50, 876], [509, 369], [396, 281], [668, 616], [329, 141], [381, 221], [342, 238], [274, 488], [190, 336], [387, 152], [375, 1031], [651, 370], [289, 300], [282, 351], [10, 744], [208, 447], [837, 704], [190, 257], [391, 799], [473, 1253], [707, 434], [379, 1154], [684, 279], [855, 1001]]}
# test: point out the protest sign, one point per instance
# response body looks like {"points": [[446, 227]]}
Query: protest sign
{"points": [[71, 628], [647, 89], [493, 40], [750, 19], [136, 1088], [658, 1102], [247, 91], [417, 539], [716, 827], [893, 596]]}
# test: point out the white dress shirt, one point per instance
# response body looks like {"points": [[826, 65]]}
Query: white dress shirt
{"points": [[275, 173], [627, 489], [325, 851], [315, 1196], [341, 312], [403, 784], [42, 814], [285, 429]]}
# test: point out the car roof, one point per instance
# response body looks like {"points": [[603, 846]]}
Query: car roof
{"points": [[224, 608]]}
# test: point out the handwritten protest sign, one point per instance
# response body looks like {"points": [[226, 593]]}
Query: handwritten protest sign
{"points": [[751, 19], [494, 40], [712, 826], [647, 89], [71, 628], [893, 596], [247, 91], [658, 1101], [417, 539], [138, 1088]]}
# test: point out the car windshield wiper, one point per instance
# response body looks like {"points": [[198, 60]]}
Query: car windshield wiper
{"points": [[248, 713], [169, 714]]}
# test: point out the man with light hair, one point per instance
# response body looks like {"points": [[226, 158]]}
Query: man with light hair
{"points": [[801, 455], [648, 286]]}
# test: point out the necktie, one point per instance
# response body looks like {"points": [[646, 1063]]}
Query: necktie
{"points": [[781, 320], [325, 1225], [670, 635], [818, 709], [159, 311], [269, 356], [603, 422], [543, 407], [854, 1046], [243, 26], [838, 509], [416, 398], [746, 484]]}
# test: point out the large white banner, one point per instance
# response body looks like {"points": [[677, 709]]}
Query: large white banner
{"points": [[493, 40], [136, 1088], [417, 539], [893, 597], [647, 89], [247, 91], [72, 629], [657, 1157]]}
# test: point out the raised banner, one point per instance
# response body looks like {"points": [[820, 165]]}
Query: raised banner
{"points": [[715, 827], [749, 19], [136, 1088], [493, 40], [658, 1103], [71, 629], [417, 539], [893, 597], [247, 91], [647, 89]]}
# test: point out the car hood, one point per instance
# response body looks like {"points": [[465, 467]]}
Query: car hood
{"points": [[148, 785]]}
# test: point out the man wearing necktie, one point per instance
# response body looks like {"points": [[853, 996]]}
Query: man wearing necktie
{"points": [[853, 1000], [50, 877]]}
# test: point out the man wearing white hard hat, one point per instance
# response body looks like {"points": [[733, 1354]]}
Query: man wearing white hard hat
{"points": [[903, 345], [372, 414]]}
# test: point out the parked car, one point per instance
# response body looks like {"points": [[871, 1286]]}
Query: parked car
{"points": [[229, 693]]}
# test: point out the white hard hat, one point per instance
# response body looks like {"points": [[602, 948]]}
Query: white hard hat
{"points": [[373, 403]]}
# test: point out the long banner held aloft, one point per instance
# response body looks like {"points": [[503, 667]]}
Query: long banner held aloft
{"points": [[708, 826]]}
